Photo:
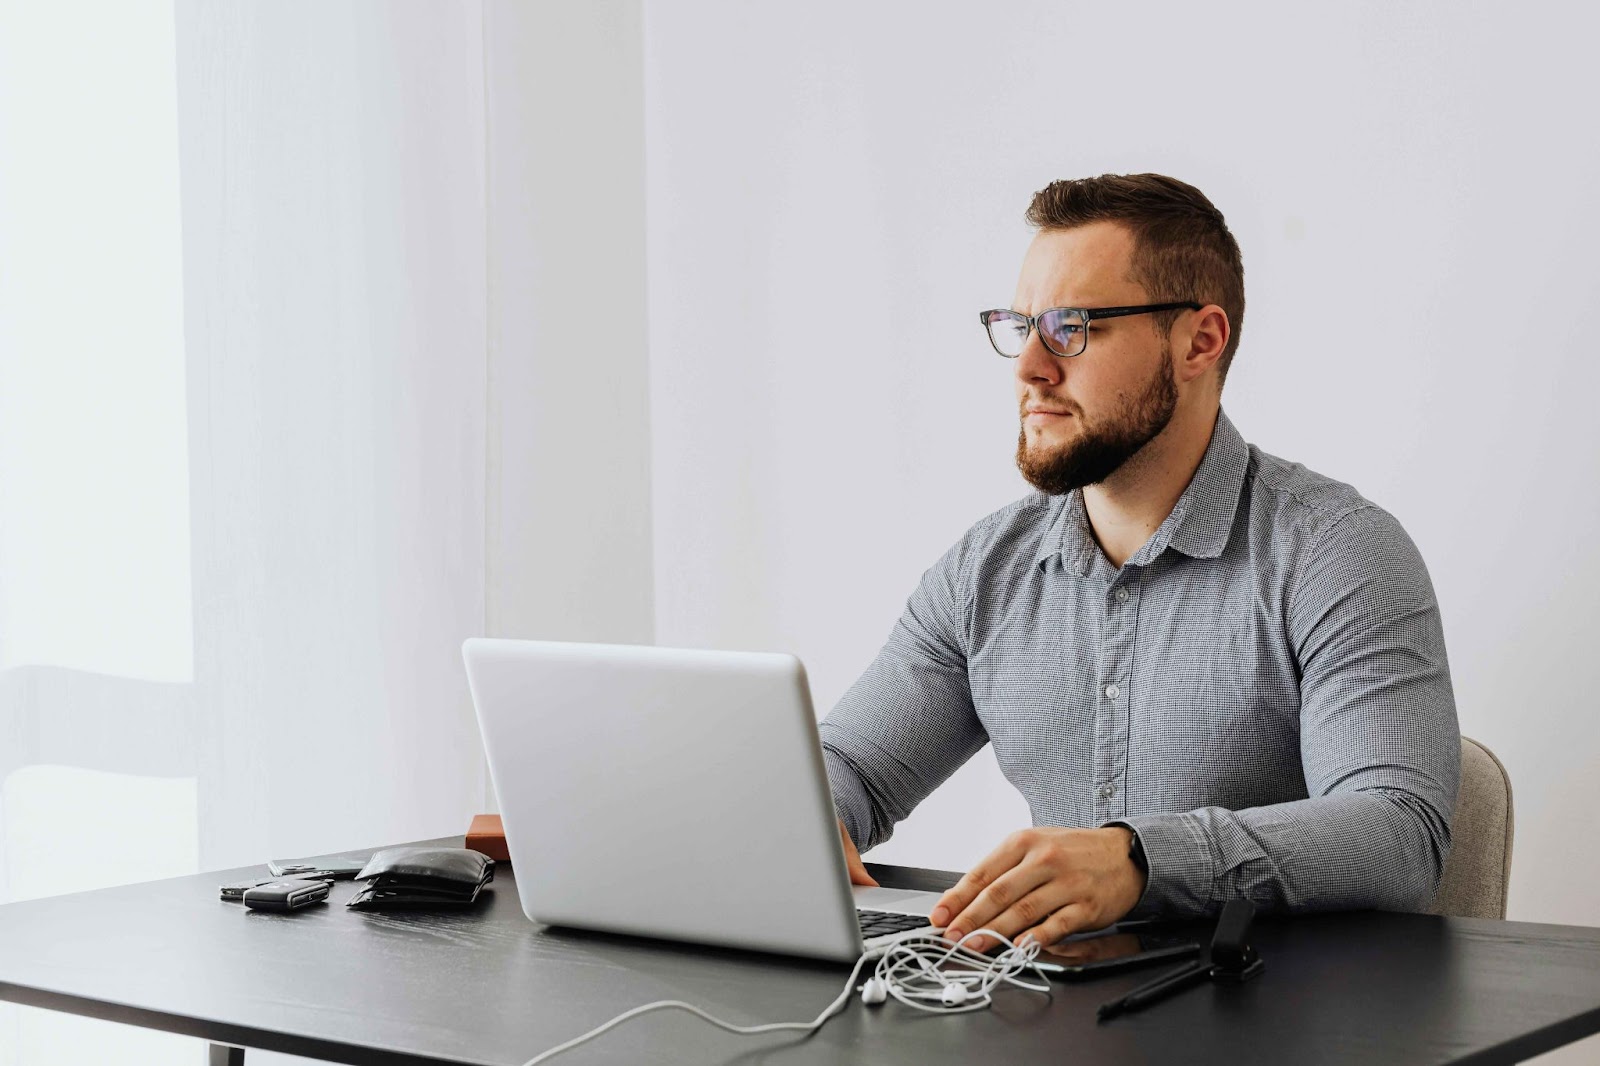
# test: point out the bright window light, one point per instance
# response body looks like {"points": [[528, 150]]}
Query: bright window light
{"points": [[94, 490]]}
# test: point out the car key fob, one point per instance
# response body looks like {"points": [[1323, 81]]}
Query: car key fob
{"points": [[234, 891], [286, 895]]}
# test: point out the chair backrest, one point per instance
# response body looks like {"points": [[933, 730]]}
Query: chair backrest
{"points": [[1479, 865]]}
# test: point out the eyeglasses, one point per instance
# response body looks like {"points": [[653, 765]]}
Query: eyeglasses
{"points": [[1064, 330]]}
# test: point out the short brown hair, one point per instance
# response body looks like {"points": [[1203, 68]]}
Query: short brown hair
{"points": [[1182, 247]]}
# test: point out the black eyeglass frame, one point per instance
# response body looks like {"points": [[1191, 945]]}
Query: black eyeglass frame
{"points": [[1089, 315]]}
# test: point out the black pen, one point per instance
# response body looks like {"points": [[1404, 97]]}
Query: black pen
{"points": [[1157, 989]]}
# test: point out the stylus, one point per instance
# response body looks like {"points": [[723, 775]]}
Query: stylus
{"points": [[1191, 973]]}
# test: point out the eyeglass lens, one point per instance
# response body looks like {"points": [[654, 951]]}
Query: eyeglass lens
{"points": [[1060, 328]]}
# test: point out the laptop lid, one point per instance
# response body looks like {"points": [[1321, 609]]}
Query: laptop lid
{"points": [[665, 792]]}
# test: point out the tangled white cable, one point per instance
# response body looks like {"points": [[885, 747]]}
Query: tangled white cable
{"points": [[932, 974], [925, 972]]}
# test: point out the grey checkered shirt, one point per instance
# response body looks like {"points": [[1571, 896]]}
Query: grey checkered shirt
{"points": [[1261, 692]]}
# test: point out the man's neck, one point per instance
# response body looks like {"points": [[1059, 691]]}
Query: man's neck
{"points": [[1128, 507]]}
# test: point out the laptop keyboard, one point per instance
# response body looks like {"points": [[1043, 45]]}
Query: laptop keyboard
{"points": [[883, 923]]}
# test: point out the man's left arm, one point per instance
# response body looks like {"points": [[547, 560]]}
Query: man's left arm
{"points": [[1379, 746], [1380, 750]]}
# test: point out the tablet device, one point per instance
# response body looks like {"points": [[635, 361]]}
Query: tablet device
{"points": [[1113, 952]]}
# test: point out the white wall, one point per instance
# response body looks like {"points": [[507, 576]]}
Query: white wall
{"points": [[836, 189], [569, 459]]}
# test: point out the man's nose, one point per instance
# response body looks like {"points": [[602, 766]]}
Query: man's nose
{"points": [[1038, 363]]}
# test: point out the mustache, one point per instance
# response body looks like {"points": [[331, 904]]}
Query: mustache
{"points": [[1060, 403]]}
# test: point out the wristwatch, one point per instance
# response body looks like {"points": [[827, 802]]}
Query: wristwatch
{"points": [[1136, 852]]}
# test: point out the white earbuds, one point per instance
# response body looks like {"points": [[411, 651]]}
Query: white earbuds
{"points": [[929, 973]]}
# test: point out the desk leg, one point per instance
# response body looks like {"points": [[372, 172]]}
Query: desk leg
{"points": [[223, 1055]]}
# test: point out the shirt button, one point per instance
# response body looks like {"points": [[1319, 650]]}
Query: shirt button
{"points": [[1107, 791], [1122, 595], [1112, 692]]}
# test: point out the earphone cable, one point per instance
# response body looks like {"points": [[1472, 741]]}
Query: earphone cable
{"points": [[911, 971], [745, 1030]]}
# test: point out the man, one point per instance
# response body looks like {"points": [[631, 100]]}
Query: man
{"points": [[1211, 672]]}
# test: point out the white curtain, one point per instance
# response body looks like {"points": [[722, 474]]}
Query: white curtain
{"points": [[242, 442], [322, 347]]}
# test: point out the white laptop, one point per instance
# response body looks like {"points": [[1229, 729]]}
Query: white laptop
{"points": [[673, 793]]}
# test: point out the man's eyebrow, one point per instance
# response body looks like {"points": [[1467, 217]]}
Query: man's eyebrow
{"points": [[1079, 303]]}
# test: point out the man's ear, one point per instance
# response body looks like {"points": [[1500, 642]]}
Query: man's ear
{"points": [[1207, 341]]}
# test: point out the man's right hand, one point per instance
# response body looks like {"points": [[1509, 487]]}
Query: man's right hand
{"points": [[852, 859]]}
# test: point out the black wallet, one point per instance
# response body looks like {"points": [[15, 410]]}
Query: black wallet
{"points": [[422, 876]]}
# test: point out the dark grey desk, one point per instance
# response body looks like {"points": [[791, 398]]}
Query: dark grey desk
{"points": [[489, 987]]}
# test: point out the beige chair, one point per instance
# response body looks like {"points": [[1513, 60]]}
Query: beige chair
{"points": [[1479, 865]]}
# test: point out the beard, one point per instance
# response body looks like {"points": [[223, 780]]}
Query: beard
{"points": [[1101, 450]]}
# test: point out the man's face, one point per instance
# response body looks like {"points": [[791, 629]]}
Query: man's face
{"points": [[1094, 411]]}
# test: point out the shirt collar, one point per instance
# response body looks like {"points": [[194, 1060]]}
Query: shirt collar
{"points": [[1198, 526]]}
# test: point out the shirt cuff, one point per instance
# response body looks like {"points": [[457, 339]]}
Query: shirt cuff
{"points": [[1182, 870], [851, 801]]}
